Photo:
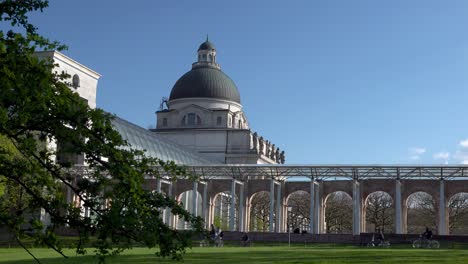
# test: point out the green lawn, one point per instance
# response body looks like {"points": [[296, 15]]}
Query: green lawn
{"points": [[258, 254]]}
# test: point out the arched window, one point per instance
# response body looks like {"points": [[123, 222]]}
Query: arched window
{"points": [[76, 81], [191, 119]]}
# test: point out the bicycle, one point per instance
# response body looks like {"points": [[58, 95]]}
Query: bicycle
{"points": [[383, 243], [423, 242]]}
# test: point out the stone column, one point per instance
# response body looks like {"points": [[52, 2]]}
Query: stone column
{"points": [[312, 222], [284, 214], [241, 209], [205, 213], [168, 210], [442, 210], [247, 215], [158, 185], [398, 210], [195, 198], [232, 209], [318, 209], [404, 219], [272, 205], [278, 209], [356, 208]]}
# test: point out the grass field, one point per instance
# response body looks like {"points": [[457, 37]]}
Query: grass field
{"points": [[257, 254]]}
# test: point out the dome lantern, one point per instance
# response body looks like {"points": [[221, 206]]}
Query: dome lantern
{"points": [[205, 80], [207, 55]]}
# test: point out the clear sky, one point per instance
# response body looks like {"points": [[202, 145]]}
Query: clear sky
{"points": [[329, 82]]}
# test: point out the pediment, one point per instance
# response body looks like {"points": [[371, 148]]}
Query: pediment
{"points": [[193, 107]]}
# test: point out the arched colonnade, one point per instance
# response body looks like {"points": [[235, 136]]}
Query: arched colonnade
{"points": [[279, 189]]}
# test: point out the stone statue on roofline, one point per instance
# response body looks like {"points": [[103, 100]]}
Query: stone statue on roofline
{"points": [[277, 155], [272, 153], [255, 142], [267, 149], [282, 157], [262, 145]]}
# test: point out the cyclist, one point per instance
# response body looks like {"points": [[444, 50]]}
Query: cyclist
{"points": [[379, 237], [427, 234]]}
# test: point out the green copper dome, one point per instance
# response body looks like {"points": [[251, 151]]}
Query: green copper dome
{"points": [[205, 81]]}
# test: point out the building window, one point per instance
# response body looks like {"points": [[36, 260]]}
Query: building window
{"points": [[164, 122], [219, 120], [76, 81], [191, 119]]}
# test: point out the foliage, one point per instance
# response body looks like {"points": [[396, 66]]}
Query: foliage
{"points": [[299, 217], [36, 108], [260, 212], [222, 205], [458, 213], [422, 213], [339, 213], [380, 212]]}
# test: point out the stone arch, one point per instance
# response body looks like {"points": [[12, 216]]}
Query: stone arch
{"points": [[186, 199], [218, 186], [378, 185], [455, 187], [222, 210], [299, 216], [458, 213], [292, 187], [329, 187], [421, 212], [256, 186], [378, 212], [338, 213], [259, 211], [410, 187]]}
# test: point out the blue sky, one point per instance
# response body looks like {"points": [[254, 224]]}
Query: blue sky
{"points": [[330, 82]]}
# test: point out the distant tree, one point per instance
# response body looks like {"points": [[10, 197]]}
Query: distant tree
{"points": [[458, 213], [299, 216], [380, 211], [260, 212], [223, 205], [339, 213], [36, 107], [422, 213]]}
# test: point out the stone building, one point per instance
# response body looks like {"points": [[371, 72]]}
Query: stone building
{"points": [[202, 124], [204, 113]]}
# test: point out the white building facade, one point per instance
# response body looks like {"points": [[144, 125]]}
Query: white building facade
{"points": [[204, 113]]}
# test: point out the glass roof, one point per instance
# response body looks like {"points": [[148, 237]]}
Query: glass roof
{"points": [[157, 146]]}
